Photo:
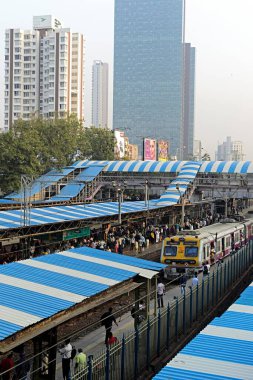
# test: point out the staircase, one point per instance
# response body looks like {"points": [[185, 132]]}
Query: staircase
{"points": [[182, 186]]}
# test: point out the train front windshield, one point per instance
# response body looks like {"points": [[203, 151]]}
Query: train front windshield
{"points": [[170, 251], [191, 252]]}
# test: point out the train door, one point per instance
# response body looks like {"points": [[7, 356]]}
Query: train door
{"points": [[223, 246], [232, 241]]}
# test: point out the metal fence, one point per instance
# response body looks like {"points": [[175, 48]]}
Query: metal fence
{"points": [[127, 359]]}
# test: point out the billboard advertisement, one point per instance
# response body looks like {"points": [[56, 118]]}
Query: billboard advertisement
{"points": [[120, 144], [149, 149], [163, 150], [133, 152], [45, 22], [126, 145]]}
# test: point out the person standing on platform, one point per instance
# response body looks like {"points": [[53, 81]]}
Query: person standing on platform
{"points": [[183, 281], [80, 361], [107, 319], [160, 293], [195, 280], [65, 352], [7, 364]]}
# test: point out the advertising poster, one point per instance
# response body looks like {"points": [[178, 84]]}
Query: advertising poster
{"points": [[126, 145], [133, 152], [120, 144], [163, 150], [149, 149]]}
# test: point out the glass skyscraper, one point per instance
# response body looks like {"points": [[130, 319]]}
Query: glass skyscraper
{"points": [[149, 71]]}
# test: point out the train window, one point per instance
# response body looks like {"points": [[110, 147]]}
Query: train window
{"points": [[191, 252], [218, 246], [228, 241], [204, 252], [237, 237], [170, 251]]}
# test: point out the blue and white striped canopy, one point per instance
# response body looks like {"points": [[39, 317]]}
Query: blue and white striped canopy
{"points": [[223, 350], [230, 167], [34, 289], [179, 186], [58, 214]]}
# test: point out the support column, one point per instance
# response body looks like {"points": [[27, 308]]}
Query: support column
{"points": [[45, 350], [148, 287]]}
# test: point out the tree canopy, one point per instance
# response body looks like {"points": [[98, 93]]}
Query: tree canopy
{"points": [[33, 147]]}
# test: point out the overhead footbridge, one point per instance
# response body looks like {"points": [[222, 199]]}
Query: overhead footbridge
{"points": [[166, 183]]}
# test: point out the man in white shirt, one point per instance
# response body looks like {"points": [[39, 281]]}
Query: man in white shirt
{"points": [[160, 293], [195, 280], [65, 352]]}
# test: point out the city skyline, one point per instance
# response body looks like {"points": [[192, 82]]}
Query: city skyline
{"points": [[224, 86]]}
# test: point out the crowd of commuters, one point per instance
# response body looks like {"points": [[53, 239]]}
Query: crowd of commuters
{"points": [[134, 238]]}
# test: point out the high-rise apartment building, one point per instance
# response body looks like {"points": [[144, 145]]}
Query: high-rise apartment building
{"points": [[43, 71], [149, 71], [230, 151], [100, 94]]}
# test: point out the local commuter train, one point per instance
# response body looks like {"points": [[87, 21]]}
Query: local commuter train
{"points": [[188, 250]]}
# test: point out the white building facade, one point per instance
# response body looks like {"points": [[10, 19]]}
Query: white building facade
{"points": [[100, 94], [44, 73]]}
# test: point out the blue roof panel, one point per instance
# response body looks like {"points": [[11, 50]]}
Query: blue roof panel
{"points": [[122, 259], [169, 373], [7, 328], [85, 266], [31, 302], [231, 318], [224, 346], [56, 280], [34, 289]]}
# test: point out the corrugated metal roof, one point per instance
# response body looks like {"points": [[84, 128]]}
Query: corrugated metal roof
{"points": [[223, 350], [73, 188], [34, 289], [54, 214], [44, 181]]}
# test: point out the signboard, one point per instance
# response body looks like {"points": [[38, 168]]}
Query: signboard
{"points": [[163, 150], [120, 144], [74, 234], [45, 22], [149, 150], [126, 141], [133, 152]]}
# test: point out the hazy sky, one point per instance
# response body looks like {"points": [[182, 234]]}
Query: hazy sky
{"points": [[221, 31]]}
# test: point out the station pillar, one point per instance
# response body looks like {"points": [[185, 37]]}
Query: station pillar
{"points": [[45, 350]]}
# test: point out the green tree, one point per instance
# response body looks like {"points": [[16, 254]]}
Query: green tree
{"points": [[100, 144], [206, 157], [34, 147]]}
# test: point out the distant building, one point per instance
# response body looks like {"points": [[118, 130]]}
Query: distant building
{"points": [[43, 72], [189, 101], [100, 94], [197, 150], [230, 151], [153, 74]]}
